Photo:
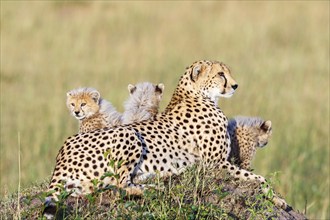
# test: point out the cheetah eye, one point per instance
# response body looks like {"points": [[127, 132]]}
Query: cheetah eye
{"points": [[82, 104], [72, 104], [222, 76]]}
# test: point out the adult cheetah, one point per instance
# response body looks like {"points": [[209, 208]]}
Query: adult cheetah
{"points": [[165, 144]]}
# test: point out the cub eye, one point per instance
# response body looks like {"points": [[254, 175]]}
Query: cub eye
{"points": [[82, 104], [72, 104]]}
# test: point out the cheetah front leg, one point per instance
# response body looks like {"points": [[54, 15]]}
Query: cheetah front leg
{"points": [[247, 175]]}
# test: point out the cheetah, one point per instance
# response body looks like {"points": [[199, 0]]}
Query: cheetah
{"points": [[163, 145], [143, 102], [95, 113], [246, 134], [92, 111]]}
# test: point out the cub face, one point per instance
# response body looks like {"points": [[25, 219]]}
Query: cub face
{"points": [[83, 104]]}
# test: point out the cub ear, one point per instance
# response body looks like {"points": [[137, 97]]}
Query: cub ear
{"points": [[266, 126], [160, 88], [131, 88], [68, 94], [95, 96]]}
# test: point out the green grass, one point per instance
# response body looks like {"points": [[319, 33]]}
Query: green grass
{"points": [[278, 52]]}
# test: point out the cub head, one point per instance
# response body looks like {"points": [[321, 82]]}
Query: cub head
{"points": [[146, 95], [264, 133], [258, 128], [83, 102], [212, 79]]}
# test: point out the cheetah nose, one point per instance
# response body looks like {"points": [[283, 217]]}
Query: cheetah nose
{"points": [[234, 86], [77, 113]]}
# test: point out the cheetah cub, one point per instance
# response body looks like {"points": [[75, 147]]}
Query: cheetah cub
{"points": [[95, 113], [143, 102], [246, 134]]}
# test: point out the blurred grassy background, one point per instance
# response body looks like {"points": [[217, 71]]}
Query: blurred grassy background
{"points": [[278, 52]]}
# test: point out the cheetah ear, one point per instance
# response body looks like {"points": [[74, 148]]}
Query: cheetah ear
{"points": [[95, 96], [131, 88], [160, 88], [266, 126], [195, 72], [68, 94]]}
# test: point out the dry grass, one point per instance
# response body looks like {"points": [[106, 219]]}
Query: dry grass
{"points": [[278, 51]]}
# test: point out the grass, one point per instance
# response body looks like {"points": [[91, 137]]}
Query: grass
{"points": [[278, 52]]}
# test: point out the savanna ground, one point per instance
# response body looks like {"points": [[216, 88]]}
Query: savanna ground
{"points": [[278, 53]]}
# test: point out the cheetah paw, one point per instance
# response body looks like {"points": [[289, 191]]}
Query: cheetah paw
{"points": [[280, 202]]}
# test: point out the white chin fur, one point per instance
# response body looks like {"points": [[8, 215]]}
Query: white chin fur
{"points": [[228, 95], [79, 117]]}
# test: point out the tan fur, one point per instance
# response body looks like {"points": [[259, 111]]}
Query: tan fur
{"points": [[247, 134]]}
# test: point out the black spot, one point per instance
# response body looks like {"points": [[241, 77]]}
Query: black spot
{"points": [[146, 167]]}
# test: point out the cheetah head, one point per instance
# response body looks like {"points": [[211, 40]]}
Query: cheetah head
{"points": [[83, 102], [264, 133], [212, 79]]}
